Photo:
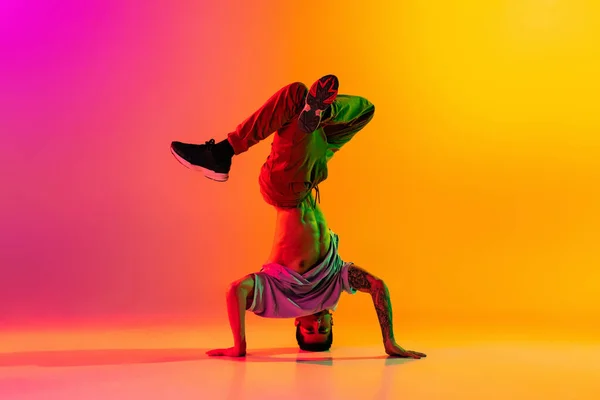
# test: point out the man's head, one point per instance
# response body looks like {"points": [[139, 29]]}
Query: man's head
{"points": [[315, 332]]}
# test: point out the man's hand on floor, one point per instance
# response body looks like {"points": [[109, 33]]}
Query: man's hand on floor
{"points": [[230, 352], [394, 350]]}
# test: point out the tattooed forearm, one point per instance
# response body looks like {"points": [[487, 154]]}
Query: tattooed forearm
{"points": [[361, 280], [383, 306]]}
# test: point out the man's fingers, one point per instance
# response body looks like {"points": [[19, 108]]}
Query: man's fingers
{"points": [[419, 354], [217, 352], [409, 354]]}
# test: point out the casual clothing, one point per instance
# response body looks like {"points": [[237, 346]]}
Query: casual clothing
{"points": [[296, 165], [298, 161], [280, 292]]}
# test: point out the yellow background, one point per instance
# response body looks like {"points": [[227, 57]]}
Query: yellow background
{"points": [[474, 191]]}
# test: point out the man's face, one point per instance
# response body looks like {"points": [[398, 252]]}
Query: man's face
{"points": [[315, 328]]}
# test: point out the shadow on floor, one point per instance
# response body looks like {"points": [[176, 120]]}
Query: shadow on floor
{"points": [[77, 358]]}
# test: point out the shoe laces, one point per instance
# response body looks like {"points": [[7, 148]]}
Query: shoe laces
{"points": [[209, 143]]}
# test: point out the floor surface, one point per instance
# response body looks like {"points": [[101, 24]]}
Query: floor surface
{"points": [[131, 364]]}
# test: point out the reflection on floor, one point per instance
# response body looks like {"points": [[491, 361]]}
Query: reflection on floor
{"points": [[164, 364]]}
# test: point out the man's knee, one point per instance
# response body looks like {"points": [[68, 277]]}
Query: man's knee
{"points": [[368, 111], [298, 91], [368, 107]]}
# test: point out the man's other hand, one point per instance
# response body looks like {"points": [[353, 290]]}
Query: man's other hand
{"points": [[394, 350], [230, 352]]}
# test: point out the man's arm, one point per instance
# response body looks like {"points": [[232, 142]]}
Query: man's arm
{"points": [[363, 281], [239, 298]]}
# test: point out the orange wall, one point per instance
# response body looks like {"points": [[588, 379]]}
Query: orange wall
{"points": [[473, 192]]}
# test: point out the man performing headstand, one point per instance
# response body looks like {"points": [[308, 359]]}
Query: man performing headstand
{"points": [[304, 275]]}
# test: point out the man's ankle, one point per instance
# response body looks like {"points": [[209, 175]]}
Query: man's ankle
{"points": [[223, 149], [326, 114]]}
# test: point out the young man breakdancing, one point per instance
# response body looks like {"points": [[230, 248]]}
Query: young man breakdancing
{"points": [[304, 275]]}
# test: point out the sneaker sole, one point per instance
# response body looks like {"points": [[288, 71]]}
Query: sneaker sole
{"points": [[212, 175], [320, 96]]}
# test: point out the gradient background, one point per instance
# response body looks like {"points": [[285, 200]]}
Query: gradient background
{"points": [[474, 192]]}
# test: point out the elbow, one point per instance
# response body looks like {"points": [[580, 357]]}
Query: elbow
{"points": [[236, 289], [241, 287], [233, 289], [378, 285]]}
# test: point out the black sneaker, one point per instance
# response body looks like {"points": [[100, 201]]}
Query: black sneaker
{"points": [[320, 96], [201, 157]]}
